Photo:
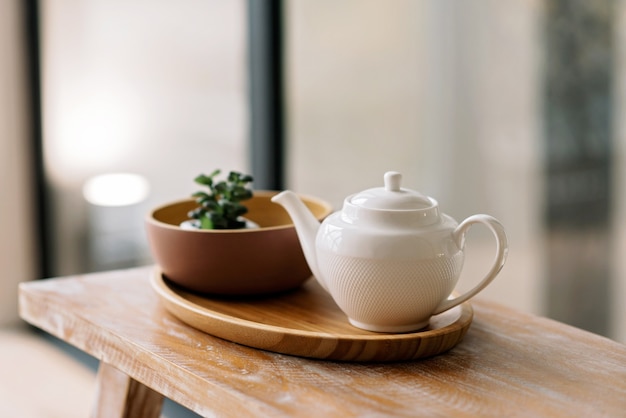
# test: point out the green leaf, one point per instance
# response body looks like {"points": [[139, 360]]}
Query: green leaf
{"points": [[219, 222], [204, 180], [240, 193], [201, 194], [206, 222], [221, 187], [238, 210], [197, 213], [233, 176]]}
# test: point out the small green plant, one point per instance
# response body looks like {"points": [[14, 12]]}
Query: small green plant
{"points": [[220, 207]]}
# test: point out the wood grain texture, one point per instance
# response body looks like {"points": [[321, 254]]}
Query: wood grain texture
{"points": [[508, 364], [120, 396], [307, 322]]}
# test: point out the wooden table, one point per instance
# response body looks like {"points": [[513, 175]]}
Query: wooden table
{"points": [[509, 363]]}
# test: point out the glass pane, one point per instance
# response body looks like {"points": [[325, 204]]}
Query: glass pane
{"points": [[453, 95], [154, 88]]}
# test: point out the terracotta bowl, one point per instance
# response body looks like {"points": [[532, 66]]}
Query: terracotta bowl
{"points": [[232, 262]]}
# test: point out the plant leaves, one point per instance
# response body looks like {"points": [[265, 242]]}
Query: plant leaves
{"points": [[220, 208]]}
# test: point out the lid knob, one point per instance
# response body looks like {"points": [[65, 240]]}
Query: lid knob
{"points": [[392, 181]]}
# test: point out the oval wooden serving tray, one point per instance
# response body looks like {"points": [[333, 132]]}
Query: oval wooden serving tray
{"points": [[307, 323]]}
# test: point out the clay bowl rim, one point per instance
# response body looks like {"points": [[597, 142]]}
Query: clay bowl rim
{"points": [[328, 209]]}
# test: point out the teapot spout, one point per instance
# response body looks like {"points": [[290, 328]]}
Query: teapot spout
{"points": [[306, 225]]}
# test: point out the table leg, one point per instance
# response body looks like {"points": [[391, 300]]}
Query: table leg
{"points": [[120, 396]]}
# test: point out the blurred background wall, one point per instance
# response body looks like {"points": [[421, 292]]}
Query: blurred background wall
{"points": [[151, 88], [469, 99], [448, 93]]}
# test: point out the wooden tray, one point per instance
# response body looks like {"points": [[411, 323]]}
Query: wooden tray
{"points": [[307, 323]]}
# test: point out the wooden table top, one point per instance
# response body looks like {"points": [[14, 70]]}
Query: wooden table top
{"points": [[509, 363]]}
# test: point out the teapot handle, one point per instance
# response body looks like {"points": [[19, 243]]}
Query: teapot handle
{"points": [[501, 252]]}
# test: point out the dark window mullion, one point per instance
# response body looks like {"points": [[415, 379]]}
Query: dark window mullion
{"points": [[265, 50], [41, 212]]}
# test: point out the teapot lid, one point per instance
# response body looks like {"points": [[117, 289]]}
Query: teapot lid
{"points": [[392, 196]]}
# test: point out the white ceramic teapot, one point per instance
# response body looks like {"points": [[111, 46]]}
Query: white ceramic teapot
{"points": [[390, 259]]}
